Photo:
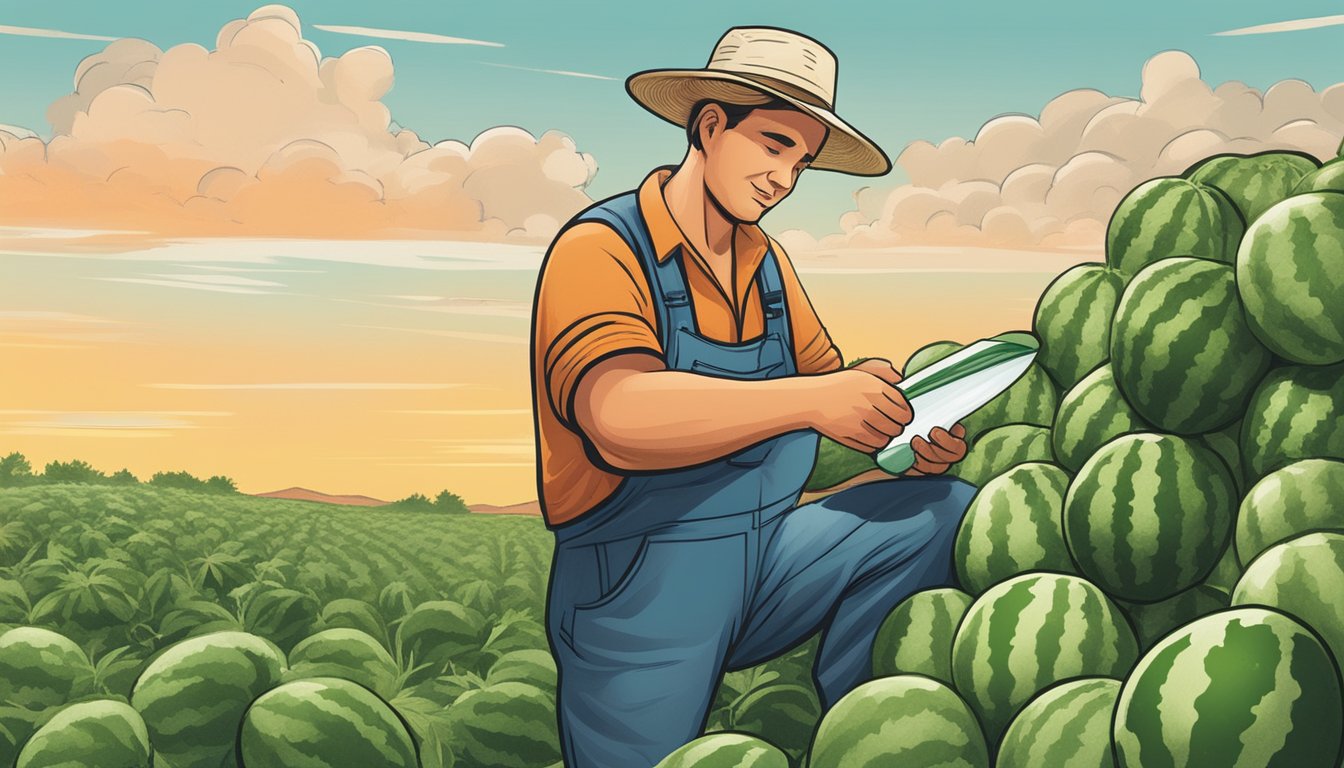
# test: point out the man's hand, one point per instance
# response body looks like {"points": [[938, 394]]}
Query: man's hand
{"points": [[933, 458], [860, 407]]}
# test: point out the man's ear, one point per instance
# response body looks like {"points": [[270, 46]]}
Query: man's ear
{"points": [[711, 122]]}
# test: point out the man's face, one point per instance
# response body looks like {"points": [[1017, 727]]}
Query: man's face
{"points": [[755, 164]]}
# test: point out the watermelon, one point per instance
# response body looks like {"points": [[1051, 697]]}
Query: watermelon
{"points": [[533, 665], [1014, 524], [1290, 274], [1031, 399], [1226, 571], [1092, 414], [1171, 216], [1243, 686], [324, 722], [40, 668], [1304, 578], [1067, 726], [348, 613], [193, 695], [1000, 449], [1148, 515], [1327, 178], [1029, 632], [916, 637], [1181, 350], [1153, 621], [1226, 442], [726, 750], [901, 720], [1296, 413], [837, 463], [782, 713], [1304, 496], [929, 354], [1254, 182], [348, 653], [100, 732], [1073, 321], [437, 632], [505, 725]]}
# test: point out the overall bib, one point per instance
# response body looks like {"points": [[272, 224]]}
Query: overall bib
{"points": [[683, 574]]}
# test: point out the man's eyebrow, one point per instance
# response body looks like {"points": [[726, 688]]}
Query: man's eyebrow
{"points": [[786, 141]]}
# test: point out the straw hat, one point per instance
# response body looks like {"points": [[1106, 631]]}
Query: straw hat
{"points": [[749, 61]]}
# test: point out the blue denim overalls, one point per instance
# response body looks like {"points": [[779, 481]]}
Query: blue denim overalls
{"points": [[682, 574]]}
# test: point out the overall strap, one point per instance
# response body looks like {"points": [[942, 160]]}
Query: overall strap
{"points": [[775, 308], [672, 302]]}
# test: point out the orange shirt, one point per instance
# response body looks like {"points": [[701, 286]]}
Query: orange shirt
{"points": [[593, 300]]}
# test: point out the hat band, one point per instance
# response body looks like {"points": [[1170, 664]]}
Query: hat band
{"points": [[789, 89]]}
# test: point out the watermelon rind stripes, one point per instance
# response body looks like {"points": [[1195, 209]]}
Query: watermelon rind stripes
{"points": [[1303, 497], [1068, 725], [1172, 216], [1091, 414], [1014, 524], [1073, 321], [916, 637], [1297, 412]]}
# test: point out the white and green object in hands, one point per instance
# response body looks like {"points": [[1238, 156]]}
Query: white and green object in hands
{"points": [[955, 387]]}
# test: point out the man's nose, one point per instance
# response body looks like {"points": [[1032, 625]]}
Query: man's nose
{"points": [[773, 177]]}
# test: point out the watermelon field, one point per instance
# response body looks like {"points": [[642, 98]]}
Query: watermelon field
{"points": [[1151, 574]]}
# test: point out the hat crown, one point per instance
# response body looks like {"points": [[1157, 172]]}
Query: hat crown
{"points": [[797, 65]]}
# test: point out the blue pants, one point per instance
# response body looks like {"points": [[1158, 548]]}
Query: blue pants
{"points": [[643, 626]]}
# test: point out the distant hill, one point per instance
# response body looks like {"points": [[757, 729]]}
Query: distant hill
{"points": [[304, 494], [522, 508]]}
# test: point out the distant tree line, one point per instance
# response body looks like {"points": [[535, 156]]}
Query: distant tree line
{"points": [[15, 471]]}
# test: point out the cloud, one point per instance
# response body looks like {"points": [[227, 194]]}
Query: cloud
{"points": [[550, 71], [1053, 181], [398, 34], [39, 32], [84, 424], [312, 385], [265, 136], [1292, 25]]}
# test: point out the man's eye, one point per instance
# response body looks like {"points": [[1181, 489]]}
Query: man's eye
{"points": [[772, 151]]}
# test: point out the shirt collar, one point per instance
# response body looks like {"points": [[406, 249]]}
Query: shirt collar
{"points": [[666, 235]]}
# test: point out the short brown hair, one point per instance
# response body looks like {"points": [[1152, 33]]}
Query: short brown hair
{"points": [[735, 114]]}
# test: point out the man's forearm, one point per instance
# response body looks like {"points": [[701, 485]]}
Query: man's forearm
{"points": [[665, 419]]}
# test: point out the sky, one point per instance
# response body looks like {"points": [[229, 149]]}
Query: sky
{"points": [[907, 71]]}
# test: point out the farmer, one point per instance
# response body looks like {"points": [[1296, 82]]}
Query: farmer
{"points": [[681, 379]]}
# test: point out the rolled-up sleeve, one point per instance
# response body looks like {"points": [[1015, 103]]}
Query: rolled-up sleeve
{"points": [[593, 301], [812, 346]]}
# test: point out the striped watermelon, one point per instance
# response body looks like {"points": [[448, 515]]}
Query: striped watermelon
{"points": [[1296, 413], [1304, 578], [1172, 216], [437, 632], [100, 732], [1290, 274], [1073, 321], [1227, 571], [324, 722], [1240, 687], [1153, 621], [783, 713], [348, 613], [193, 695], [929, 354], [40, 668], [1013, 525], [916, 637], [1029, 632], [1148, 515], [531, 665], [1254, 182], [726, 750], [1092, 414], [1000, 449], [1226, 442], [1329, 177], [348, 653], [1031, 399], [506, 725], [1182, 352], [901, 720], [1304, 496], [1066, 726]]}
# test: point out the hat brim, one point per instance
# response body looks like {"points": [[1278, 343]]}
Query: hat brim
{"points": [[670, 94]]}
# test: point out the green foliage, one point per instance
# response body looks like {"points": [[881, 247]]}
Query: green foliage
{"points": [[76, 471], [187, 481], [15, 470]]}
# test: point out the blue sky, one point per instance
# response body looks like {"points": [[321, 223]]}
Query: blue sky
{"points": [[908, 71]]}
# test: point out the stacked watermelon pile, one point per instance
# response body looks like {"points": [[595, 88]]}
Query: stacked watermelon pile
{"points": [[1152, 571]]}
